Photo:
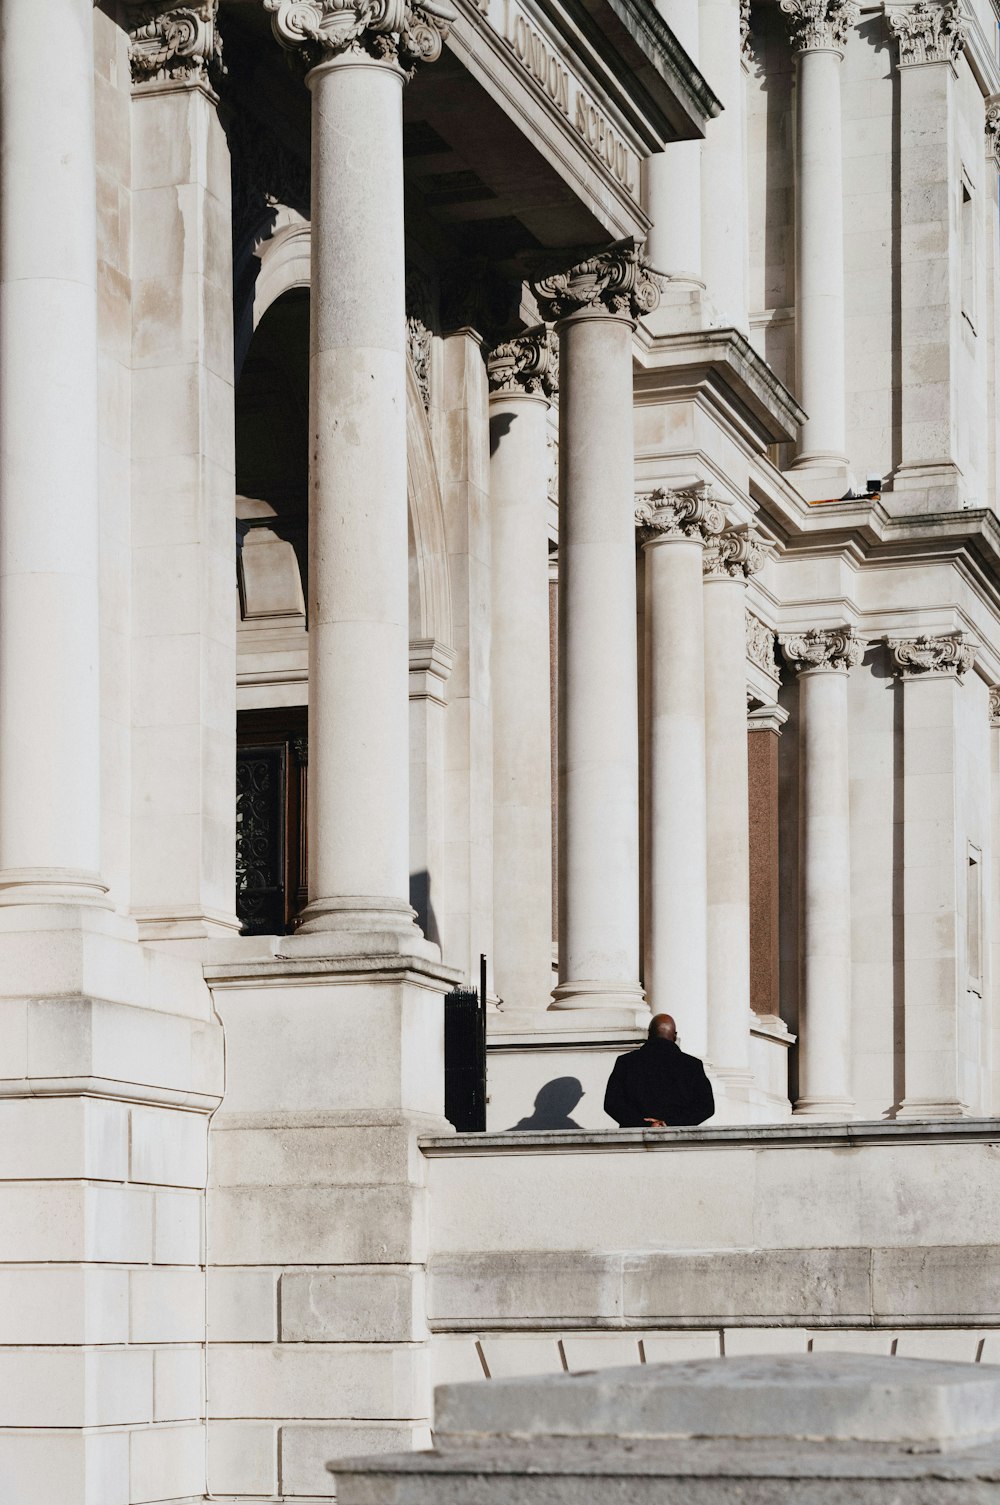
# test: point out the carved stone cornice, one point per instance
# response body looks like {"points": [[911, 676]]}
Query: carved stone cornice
{"points": [[693, 513], [734, 554], [995, 705], [760, 645], [912, 658], [931, 31], [823, 648], [527, 365], [174, 44], [618, 280], [817, 25], [992, 126], [400, 32]]}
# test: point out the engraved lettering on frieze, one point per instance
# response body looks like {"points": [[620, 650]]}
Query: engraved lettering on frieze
{"points": [[820, 24], [175, 43], [688, 513], [823, 648], [400, 32], [931, 31], [952, 653], [760, 645]]}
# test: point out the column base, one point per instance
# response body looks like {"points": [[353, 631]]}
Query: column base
{"points": [[53, 885], [824, 1107], [601, 995], [931, 1107], [821, 477], [360, 914]]}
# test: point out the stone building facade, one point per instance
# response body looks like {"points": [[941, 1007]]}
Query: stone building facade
{"points": [[506, 477]]}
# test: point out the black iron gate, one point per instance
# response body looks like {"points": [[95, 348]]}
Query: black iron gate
{"points": [[465, 1056]]}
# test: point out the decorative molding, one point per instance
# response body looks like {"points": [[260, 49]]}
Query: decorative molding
{"points": [[747, 55], [399, 32], [527, 365], [995, 705], [172, 43], [992, 127], [734, 554], [931, 31], [693, 513], [820, 24], [419, 318], [619, 280], [760, 645], [912, 658], [767, 718], [837, 648]]}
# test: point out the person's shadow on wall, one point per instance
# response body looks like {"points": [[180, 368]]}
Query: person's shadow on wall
{"points": [[553, 1105]]}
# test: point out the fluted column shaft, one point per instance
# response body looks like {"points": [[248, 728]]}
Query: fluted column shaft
{"points": [[728, 561], [824, 659], [819, 33], [673, 526], [596, 304], [50, 795], [521, 380]]}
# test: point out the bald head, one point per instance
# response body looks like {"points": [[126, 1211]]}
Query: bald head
{"points": [[662, 1027]]}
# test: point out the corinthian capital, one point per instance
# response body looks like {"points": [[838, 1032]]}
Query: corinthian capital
{"points": [[816, 24], [995, 705], [175, 43], [527, 364], [618, 280], [735, 553], [993, 126], [823, 648], [395, 31], [931, 31], [915, 657], [662, 515]]}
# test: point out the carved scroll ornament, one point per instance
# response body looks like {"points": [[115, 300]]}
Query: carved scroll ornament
{"points": [[397, 31], [691, 513], [949, 654], [619, 280], [931, 31], [736, 553], [528, 363], [820, 24], [823, 648], [175, 43]]}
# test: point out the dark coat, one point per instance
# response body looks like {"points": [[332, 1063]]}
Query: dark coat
{"points": [[658, 1081]]}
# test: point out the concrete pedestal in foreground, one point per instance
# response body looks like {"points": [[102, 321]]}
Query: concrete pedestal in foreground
{"points": [[707, 1432]]}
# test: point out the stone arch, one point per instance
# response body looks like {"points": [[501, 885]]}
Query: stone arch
{"points": [[284, 265]]}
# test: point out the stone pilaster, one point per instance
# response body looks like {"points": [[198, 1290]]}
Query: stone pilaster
{"points": [[823, 658], [819, 30], [596, 304], [930, 39], [935, 1083], [523, 375], [730, 558], [674, 527], [183, 803]]}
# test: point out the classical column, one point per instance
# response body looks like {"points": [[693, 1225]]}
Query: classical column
{"points": [[673, 527], [522, 377], [723, 200], [358, 630], [994, 910], [930, 37], [596, 304], [50, 776], [729, 560], [819, 31], [935, 963], [183, 743], [823, 658]]}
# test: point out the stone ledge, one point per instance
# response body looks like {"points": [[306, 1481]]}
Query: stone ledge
{"points": [[793, 1135]]}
